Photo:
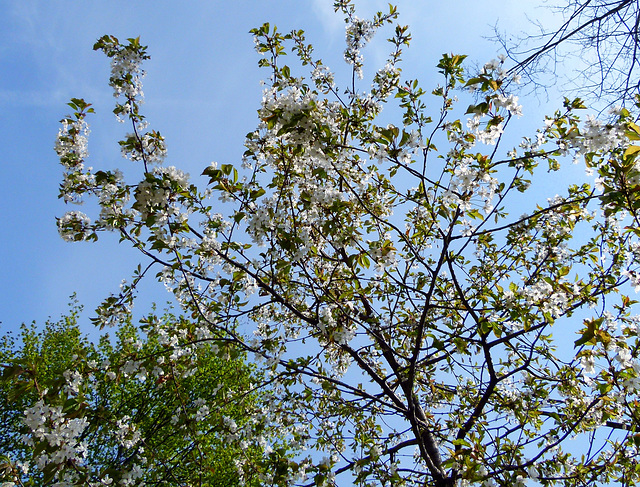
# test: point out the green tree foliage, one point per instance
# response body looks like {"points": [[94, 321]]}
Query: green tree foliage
{"points": [[102, 406], [422, 311]]}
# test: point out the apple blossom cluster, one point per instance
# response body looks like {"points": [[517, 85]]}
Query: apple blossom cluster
{"points": [[634, 279], [543, 294], [383, 253], [323, 76], [74, 184], [509, 103], [468, 183], [63, 437], [284, 108], [72, 143], [495, 68], [488, 135], [600, 137], [157, 191], [72, 148], [126, 433], [385, 81], [308, 191], [74, 226], [126, 71], [339, 333], [114, 197], [149, 148], [358, 33]]}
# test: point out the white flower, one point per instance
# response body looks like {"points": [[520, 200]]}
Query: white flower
{"points": [[173, 174], [587, 362], [624, 357], [634, 278], [106, 480], [49, 424], [510, 103], [74, 226], [322, 76], [358, 33], [202, 413], [71, 143], [375, 452], [73, 381], [230, 424]]}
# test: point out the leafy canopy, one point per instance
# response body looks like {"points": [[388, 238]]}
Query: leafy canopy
{"points": [[97, 408]]}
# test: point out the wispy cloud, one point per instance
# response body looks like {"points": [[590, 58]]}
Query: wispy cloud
{"points": [[331, 22]]}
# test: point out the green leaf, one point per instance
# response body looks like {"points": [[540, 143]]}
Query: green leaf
{"points": [[480, 108], [11, 371], [589, 332], [632, 150], [634, 132]]}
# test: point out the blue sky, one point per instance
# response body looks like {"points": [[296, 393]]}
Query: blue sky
{"points": [[202, 91]]}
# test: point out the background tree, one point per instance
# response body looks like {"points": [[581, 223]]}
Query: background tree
{"points": [[92, 412], [409, 327], [599, 38]]}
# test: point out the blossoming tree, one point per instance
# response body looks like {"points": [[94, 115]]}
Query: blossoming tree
{"points": [[414, 326]]}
